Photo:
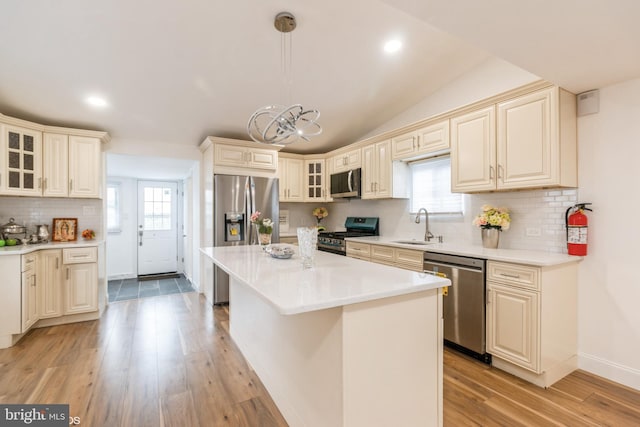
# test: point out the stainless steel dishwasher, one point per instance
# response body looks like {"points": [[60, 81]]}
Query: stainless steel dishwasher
{"points": [[464, 303]]}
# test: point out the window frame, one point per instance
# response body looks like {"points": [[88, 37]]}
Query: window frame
{"points": [[117, 209], [414, 209]]}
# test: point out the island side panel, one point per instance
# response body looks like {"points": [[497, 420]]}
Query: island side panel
{"points": [[393, 361], [297, 357], [10, 303]]}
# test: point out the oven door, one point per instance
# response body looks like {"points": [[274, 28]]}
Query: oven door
{"points": [[332, 245]]}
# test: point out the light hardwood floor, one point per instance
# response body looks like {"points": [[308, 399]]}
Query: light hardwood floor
{"points": [[169, 361]]}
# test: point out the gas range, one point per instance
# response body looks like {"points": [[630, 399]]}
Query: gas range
{"points": [[333, 241]]}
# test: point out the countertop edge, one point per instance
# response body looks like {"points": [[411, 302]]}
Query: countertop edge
{"points": [[435, 283], [28, 248], [516, 256]]}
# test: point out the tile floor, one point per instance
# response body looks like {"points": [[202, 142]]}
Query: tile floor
{"points": [[120, 290]]}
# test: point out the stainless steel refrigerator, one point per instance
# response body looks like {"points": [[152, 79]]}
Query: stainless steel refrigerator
{"points": [[235, 198]]}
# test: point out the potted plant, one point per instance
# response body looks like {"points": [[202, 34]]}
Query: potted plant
{"points": [[491, 222]]}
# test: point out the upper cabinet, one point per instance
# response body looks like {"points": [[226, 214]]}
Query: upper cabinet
{"points": [[290, 174], [45, 161], [239, 156], [21, 161], [346, 160], [316, 181], [473, 151], [525, 142], [429, 140], [381, 177]]}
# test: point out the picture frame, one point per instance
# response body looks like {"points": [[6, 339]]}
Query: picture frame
{"points": [[65, 229]]}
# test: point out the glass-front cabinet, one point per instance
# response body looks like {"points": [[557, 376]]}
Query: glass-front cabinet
{"points": [[316, 181], [21, 161]]}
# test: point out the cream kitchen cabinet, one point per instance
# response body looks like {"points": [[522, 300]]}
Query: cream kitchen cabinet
{"points": [[245, 157], [424, 142], [532, 320], [381, 177], [81, 280], [317, 182], [346, 160], [291, 183], [30, 312], [473, 151], [72, 166], [50, 283], [408, 259], [525, 142], [85, 167], [20, 161]]}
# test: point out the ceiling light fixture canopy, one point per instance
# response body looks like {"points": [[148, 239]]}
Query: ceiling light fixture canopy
{"points": [[279, 124]]}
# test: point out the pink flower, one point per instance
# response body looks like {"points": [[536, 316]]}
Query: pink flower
{"points": [[255, 216]]}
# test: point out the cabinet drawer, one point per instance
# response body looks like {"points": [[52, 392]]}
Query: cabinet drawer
{"points": [[28, 261], [382, 253], [79, 255], [410, 258], [523, 276], [359, 250]]}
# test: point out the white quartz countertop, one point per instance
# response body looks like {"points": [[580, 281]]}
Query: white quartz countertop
{"points": [[536, 258], [25, 249], [334, 281]]}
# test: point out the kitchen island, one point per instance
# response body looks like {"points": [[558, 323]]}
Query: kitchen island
{"points": [[346, 343]]}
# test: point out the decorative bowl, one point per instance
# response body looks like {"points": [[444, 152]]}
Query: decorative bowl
{"points": [[280, 251]]}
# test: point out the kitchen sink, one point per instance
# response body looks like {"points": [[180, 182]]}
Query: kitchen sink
{"points": [[413, 242]]}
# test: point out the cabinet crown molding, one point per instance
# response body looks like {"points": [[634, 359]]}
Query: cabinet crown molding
{"points": [[104, 137]]}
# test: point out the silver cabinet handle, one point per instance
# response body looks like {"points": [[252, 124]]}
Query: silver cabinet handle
{"points": [[39, 182], [57, 259], [67, 273], [70, 185], [499, 171], [33, 280], [513, 276], [491, 173]]}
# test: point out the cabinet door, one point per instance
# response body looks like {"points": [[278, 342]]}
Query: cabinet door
{"points": [[384, 179], [433, 138], [230, 155], [404, 146], [262, 159], [291, 187], [29, 292], [55, 165], [50, 283], [85, 167], [22, 161], [473, 151], [354, 159], [527, 144], [81, 288], [369, 172], [513, 325], [315, 180]]}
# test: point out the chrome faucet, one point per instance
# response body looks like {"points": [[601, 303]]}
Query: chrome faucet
{"points": [[427, 234]]}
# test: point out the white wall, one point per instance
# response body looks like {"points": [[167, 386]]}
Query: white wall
{"points": [[609, 318], [122, 250]]}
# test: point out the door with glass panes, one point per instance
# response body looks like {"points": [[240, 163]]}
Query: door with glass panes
{"points": [[157, 227]]}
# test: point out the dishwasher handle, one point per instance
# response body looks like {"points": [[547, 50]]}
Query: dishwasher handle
{"points": [[459, 267]]}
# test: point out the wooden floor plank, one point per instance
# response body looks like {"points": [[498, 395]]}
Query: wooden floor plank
{"points": [[169, 361]]}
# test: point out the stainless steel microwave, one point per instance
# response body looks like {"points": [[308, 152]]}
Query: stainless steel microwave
{"points": [[346, 184]]}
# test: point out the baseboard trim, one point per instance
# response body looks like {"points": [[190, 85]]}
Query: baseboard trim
{"points": [[612, 371], [122, 276]]}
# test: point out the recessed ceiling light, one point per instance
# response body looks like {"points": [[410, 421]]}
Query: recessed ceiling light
{"points": [[96, 101], [392, 46]]}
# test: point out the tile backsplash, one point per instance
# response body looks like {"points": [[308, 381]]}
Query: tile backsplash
{"points": [[31, 211], [537, 218]]}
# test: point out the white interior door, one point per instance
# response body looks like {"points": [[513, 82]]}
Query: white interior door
{"points": [[157, 227]]}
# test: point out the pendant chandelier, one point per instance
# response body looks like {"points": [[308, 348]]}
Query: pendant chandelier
{"points": [[279, 124]]}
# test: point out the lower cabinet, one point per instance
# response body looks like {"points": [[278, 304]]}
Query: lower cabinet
{"points": [[382, 254], [30, 304], [81, 280], [50, 283], [532, 320]]}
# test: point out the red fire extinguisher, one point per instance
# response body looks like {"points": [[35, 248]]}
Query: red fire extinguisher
{"points": [[576, 223]]}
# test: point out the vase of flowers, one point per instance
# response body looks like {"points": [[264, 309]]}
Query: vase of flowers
{"points": [[320, 213], [264, 229], [491, 222]]}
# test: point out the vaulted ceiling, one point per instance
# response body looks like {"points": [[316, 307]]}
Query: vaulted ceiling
{"points": [[175, 72]]}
